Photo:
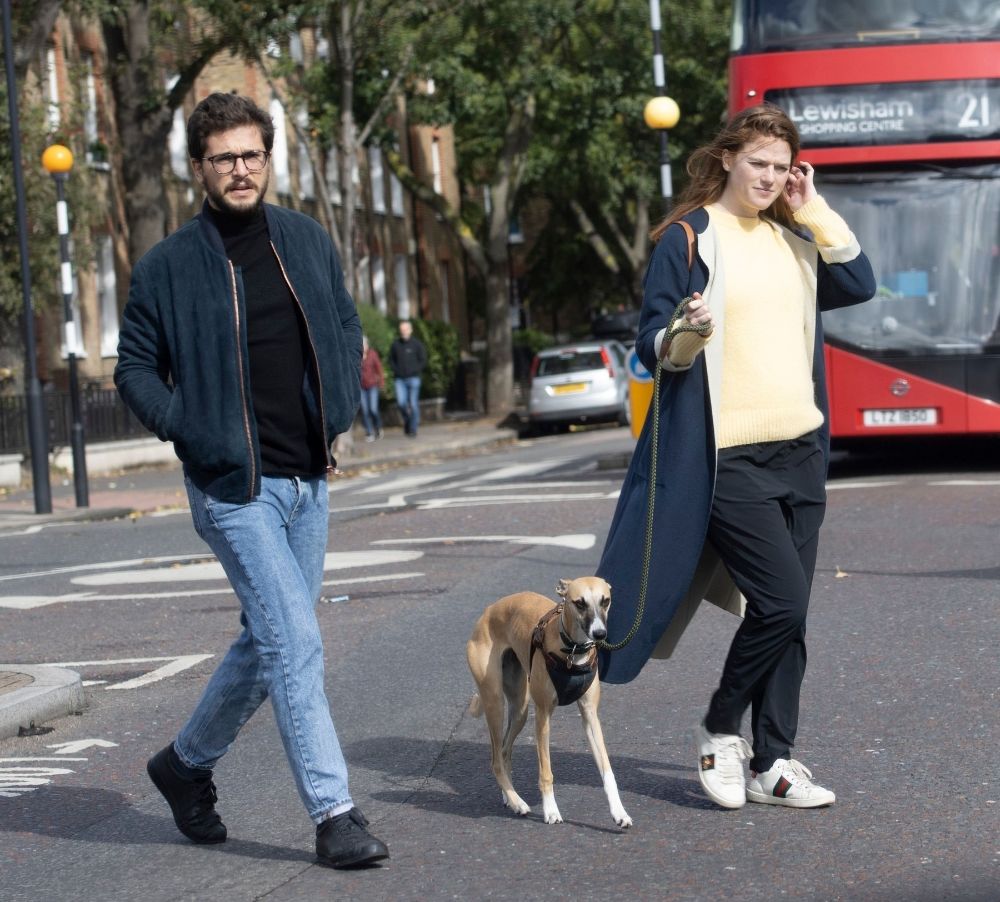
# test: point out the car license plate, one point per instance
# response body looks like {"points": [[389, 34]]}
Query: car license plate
{"points": [[569, 388], [901, 416]]}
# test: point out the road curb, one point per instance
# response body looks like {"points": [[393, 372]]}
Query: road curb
{"points": [[54, 692]]}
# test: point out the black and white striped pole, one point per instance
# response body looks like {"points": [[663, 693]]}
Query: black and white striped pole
{"points": [[662, 111], [58, 161]]}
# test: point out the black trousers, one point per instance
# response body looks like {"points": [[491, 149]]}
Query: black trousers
{"points": [[769, 503]]}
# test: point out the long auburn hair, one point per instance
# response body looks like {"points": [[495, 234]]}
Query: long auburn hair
{"points": [[707, 175]]}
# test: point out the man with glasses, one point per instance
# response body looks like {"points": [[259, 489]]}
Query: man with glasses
{"points": [[241, 344]]}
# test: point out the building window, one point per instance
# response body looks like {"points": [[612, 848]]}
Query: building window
{"points": [[52, 89], [107, 296], [436, 165], [180, 166], [401, 283], [362, 278], [396, 195], [375, 173], [90, 135], [378, 284], [307, 185], [279, 151], [333, 174], [445, 291]]}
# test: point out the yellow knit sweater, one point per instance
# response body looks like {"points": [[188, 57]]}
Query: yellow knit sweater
{"points": [[767, 386]]}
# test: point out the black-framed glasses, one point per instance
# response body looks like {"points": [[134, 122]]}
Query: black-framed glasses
{"points": [[224, 163]]}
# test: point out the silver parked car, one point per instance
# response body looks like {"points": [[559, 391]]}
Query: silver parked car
{"points": [[583, 382]]}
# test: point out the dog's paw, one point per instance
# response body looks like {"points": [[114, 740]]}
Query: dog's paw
{"points": [[516, 804], [623, 820], [550, 810]]}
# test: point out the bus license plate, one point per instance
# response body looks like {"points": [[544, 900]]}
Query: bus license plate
{"points": [[901, 416], [569, 388]]}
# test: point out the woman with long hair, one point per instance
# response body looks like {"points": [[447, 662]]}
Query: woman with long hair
{"points": [[743, 443]]}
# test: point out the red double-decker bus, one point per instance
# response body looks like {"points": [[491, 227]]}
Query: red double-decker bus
{"points": [[898, 105]]}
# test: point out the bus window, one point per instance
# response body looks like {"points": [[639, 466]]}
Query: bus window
{"points": [[768, 25], [933, 236]]}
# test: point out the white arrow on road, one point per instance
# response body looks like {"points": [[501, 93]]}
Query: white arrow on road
{"points": [[80, 745]]}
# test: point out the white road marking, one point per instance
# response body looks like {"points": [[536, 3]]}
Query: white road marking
{"points": [[383, 578], [15, 781], [440, 503], [830, 486], [212, 570], [530, 486], [41, 758], [582, 541], [517, 470], [81, 745], [175, 664], [109, 565], [966, 482], [27, 602], [405, 482]]}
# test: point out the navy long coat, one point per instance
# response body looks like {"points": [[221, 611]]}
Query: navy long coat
{"points": [[684, 569]]}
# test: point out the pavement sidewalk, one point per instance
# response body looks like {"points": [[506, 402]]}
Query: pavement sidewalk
{"points": [[34, 694]]}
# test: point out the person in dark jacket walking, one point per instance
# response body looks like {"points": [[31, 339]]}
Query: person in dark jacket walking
{"points": [[740, 492], [372, 383], [241, 345], [407, 359]]}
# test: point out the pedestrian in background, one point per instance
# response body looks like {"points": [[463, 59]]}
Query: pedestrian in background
{"points": [[372, 383], [407, 359], [241, 345], [744, 443]]}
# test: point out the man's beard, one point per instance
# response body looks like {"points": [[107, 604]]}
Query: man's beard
{"points": [[221, 200]]}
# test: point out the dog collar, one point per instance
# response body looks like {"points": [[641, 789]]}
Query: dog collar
{"points": [[572, 648]]}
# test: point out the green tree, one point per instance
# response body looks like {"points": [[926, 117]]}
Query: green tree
{"points": [[598, 164], [493, 67], [348, 93], [40, 196]]}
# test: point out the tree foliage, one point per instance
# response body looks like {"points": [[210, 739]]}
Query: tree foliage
{"points": [[596, 161]]}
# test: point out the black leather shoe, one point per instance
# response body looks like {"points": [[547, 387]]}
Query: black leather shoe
{"points": [[344, 841], [192, 801]]}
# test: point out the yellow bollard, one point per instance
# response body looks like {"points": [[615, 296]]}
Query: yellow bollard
{"points": [[640, 391]]}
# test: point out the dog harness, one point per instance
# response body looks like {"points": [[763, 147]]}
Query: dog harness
{"points": [[569, 680]]}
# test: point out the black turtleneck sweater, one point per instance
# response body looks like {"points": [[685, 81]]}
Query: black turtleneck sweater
{"points": [[290, 442]]}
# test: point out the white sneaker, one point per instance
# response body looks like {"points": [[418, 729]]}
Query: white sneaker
{"points": [[720, 766], [788, 783]]}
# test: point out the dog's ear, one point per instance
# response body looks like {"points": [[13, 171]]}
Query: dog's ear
{"points": [[563, 587]]}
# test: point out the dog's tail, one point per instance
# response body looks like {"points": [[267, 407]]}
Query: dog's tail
{"points": [[475, 708]]}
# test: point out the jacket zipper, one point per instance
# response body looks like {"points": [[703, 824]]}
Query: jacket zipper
{"points": [[243, 392], [315, 357]]}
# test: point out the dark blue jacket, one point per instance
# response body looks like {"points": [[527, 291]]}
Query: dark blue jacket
{"points": [[683, 568], [182, 350]]}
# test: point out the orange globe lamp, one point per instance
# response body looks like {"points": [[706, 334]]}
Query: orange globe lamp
{"points": [[661, 112], [57, 159]]}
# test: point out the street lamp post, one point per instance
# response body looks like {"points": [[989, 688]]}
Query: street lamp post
{"points": [[660, 115], [37, 433], [58, 161]]}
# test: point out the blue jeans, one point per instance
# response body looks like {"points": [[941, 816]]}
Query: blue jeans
{"points": [[369, 410], [272, 550], [408, 399]]}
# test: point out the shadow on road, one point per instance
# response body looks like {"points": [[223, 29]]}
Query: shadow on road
{"points": [[104, 816], [884, 457], [418, 767]]}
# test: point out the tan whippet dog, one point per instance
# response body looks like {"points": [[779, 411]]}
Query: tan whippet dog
{"points": [[502, 657]]}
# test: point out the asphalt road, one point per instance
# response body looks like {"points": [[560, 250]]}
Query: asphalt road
{"points": [[899, 715]]}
